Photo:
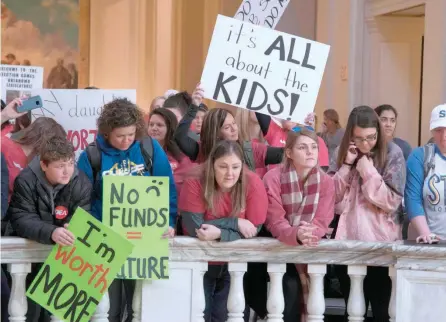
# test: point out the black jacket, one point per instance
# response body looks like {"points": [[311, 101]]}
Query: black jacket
{"points": [[5, 186], [32, 209]]}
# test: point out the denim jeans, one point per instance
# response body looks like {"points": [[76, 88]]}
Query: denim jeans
{"points": [[216, 290], [120, 293]]}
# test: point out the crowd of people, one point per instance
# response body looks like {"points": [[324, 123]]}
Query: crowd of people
{"points": [[235, 174]]}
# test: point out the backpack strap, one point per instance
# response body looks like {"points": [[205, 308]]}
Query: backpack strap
{"points": [[249, 155], [94, 157], [146, 145], [429, 158]]}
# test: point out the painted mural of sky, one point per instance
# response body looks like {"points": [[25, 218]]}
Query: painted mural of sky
{"points": [[49, 16], [41, 33]]}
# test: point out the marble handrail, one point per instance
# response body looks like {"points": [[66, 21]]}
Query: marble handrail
{"points": [[433, 257], [19, 253]]}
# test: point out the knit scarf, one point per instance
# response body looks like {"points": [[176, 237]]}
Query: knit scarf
{"points": [[299, 204]]}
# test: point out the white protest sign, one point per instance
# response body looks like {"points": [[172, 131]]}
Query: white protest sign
{"points": [[19, 80], [265, 13], [77, 110], [263, 70]]}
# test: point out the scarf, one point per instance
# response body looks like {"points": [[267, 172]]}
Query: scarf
{"points": [[299, 204]]}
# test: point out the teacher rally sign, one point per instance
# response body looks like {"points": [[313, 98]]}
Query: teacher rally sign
{"points": [[77, 110], [73, 279], [265, 13], [137, 208], [263, 70]]}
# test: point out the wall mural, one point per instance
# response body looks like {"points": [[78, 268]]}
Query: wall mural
{"points": [[42, 33]]}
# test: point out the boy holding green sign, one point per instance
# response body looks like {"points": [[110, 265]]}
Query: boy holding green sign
{"points": [[46, 195]]}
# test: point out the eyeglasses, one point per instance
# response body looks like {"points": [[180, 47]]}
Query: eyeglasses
{"points": [[368, 139]]}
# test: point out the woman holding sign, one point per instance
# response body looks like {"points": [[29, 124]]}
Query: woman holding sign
{"points": [[219, 124], [300, 208], [162, 125], [123, 148], [223, 201]]}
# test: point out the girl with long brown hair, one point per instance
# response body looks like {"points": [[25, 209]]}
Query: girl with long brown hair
{"points": [[162, 126], [219, 124], [19, 152], [222, 201], [370, 174], [301, 200]]}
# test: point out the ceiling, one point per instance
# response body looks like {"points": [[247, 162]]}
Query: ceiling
{"points": [[410, 12]]}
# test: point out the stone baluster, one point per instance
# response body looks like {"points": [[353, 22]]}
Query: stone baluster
{"points": [[101, 314], [137, 301], [316, 300], [198, 300], [18, 305], [236, 299], [392, 304], [276, 303], [356, 304]]}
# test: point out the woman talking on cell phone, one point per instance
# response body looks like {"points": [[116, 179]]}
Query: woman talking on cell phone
{"points": [[369, 183]]}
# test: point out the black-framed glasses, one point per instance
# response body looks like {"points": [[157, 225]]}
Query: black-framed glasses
{"points": [[368, 139]]}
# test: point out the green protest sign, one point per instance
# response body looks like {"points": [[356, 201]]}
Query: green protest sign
{"points": [[137, 208], [73, 279]]}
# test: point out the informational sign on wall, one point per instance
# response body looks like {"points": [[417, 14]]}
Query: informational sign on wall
{"points": [[263, 70], [137, 207], [265, 13], [77, 110], [73, 279], [18, 80]]}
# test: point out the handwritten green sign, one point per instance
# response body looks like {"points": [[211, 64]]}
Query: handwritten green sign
{"points": [[73, 279], [138, 209]]}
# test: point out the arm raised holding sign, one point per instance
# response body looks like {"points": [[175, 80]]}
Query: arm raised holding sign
{"points": [[188, 145]]}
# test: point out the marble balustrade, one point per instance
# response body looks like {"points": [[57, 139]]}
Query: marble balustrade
{"points": [[413, 269]]}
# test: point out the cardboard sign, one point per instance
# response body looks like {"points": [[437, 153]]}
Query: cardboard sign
{"points": [[263, 70], [265, 13], [73, 279], [137, 208], [19, 80], [77, 110]]}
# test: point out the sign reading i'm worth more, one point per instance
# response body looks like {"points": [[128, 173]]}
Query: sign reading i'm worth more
{"points": [[263, 70], [137, 208], [77, 110], [265, 13], [73, 279]]}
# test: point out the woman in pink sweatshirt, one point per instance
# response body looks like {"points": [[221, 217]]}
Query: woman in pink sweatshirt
{"points": [[369, 182], [301, 200]]}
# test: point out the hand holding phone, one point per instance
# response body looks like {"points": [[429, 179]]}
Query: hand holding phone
{"points": [[352, 154], [30, 104]]}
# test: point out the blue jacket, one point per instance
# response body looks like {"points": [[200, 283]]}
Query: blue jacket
{"points": [[113, 159]]}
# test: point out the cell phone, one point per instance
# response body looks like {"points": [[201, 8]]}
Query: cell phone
{"points": [[30, 104]]}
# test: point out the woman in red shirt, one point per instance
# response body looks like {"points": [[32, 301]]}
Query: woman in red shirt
{"points": [[301, 199], [162, 125], [275, 133], [223, 201]]}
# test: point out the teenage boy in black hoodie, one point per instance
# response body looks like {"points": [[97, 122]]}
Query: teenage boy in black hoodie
{"points": [[46, 195]]}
